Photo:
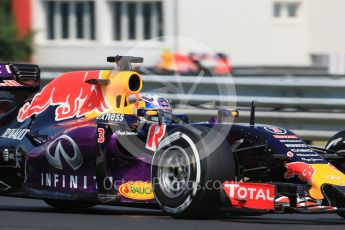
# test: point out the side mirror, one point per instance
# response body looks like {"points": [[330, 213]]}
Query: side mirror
{"points": [[224, 115], [150, 114]]}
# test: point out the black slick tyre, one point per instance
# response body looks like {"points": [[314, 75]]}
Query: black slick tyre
{"points": [[187, 174]]}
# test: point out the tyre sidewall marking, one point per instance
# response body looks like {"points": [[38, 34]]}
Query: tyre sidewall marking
{"points": [[172, 138]]}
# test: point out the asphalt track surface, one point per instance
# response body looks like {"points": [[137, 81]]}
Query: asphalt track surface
{"points": [[36, 215]]}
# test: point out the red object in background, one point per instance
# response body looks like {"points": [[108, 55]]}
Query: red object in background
{"points": [[22, 14], [250, 195], [184, 64], [223, 66], [176, 62]]}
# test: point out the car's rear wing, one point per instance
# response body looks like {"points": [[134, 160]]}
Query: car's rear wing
{"points": [[19, 76]]}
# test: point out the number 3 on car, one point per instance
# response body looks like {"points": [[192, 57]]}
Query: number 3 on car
{"points": [[100, 139]]}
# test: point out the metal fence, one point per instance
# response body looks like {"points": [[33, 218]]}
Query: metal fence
{"points": [[313, 107]]}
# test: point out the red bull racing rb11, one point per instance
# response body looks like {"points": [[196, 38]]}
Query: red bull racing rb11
{"points": [[88, 138]]}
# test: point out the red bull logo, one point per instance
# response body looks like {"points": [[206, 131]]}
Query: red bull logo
{"points": [[315, 175], [275, 130], [72, 96], [304, 171]]}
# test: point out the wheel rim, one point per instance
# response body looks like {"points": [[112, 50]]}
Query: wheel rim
{"points": [[174, 171]]}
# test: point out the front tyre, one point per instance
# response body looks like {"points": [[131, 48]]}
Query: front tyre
{"points": [[337, 145], [341, 215], [187, 175]]}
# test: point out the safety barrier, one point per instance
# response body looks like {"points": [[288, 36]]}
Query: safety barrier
{"points": [[313, 107]]}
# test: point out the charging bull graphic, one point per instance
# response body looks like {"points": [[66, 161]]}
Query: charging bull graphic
{"points": [[304, 171], [72, 96], [316, 175]]}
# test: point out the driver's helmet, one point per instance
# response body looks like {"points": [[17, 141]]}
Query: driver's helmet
{"points": [[156, 102]]}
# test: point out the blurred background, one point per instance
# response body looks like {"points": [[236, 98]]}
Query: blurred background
{"points": [[288, 55], [68, 34]]}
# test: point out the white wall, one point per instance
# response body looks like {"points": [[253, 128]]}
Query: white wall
{"points": [[326, 26], [244, 29], [92, 54]]}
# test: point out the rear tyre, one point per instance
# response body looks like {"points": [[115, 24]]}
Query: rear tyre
{"points": [[69, 205], [8, 104], [187, 175]]}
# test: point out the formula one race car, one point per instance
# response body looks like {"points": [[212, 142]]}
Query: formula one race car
{"points": [[88, 138]]}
